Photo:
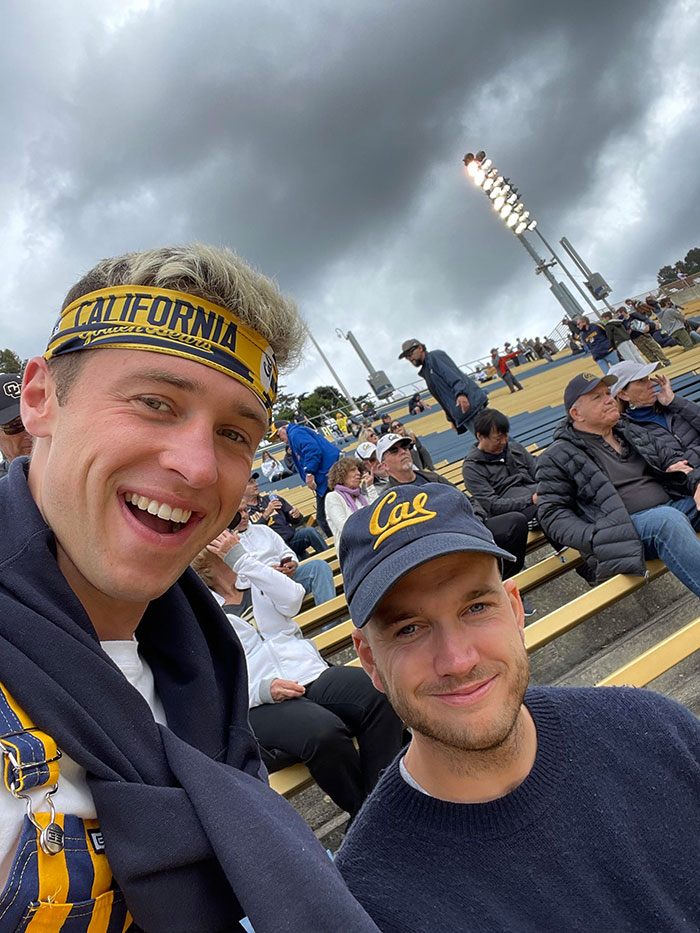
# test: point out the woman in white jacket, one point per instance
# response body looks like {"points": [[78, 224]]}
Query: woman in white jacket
{"points": [[301, 708], [348, 493]]}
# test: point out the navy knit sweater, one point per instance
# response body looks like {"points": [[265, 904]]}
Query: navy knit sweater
{"points": [[603, 834]]}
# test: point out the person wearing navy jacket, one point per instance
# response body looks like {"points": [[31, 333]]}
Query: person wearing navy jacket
{"points": [[459, 396]]}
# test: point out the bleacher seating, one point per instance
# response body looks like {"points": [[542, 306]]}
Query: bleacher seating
{"points": [[331, 629]]}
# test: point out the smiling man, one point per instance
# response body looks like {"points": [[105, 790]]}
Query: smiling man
{"points": [[123, 689], [512, 809]]}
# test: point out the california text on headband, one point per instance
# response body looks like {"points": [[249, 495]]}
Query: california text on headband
{"points": [[130, 317]]}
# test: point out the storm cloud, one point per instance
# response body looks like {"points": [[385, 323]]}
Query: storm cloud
{"points": [[323, 142]]}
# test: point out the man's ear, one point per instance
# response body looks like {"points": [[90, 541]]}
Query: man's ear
{"points": [[38, 402], [513, 594], [364, 653]]}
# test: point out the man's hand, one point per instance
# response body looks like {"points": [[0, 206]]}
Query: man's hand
{"points": [[285, 690], [310, 482], [665, 393], [274, 505], [680, 466], [288, 568], [463, 403], [534, 497], [223, 543], [294, 513]]}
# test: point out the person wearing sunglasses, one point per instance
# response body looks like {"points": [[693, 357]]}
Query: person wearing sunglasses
{"points": [[15, 441], [419, 454]]}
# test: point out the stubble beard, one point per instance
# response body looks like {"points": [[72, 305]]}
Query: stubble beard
{"points": [[456, 740]]}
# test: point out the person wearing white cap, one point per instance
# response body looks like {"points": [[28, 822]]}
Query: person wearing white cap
{"points": [[649, 401]]}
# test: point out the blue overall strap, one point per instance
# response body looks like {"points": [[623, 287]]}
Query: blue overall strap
{"points": [[30, 757]]}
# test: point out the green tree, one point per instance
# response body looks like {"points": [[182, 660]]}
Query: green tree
{"points": [[691, 263], [666, 275], [286, 405], [10, 362], [323, 398]]}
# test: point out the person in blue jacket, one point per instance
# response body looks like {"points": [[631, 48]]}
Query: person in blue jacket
{"points": [[313, 457], [596, 341], [459, 396]]}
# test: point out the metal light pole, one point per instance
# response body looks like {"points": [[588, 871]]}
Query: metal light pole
{"points": [[378, 379], [505, 199], [351, 401]]}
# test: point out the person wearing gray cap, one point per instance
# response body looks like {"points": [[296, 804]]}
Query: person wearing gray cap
{"points": [[458, 394], [15, 440], [504, 792], [646, 397], [616, 492]]}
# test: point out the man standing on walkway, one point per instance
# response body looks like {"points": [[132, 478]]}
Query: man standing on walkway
{"points": [[500, 363], [313, 457], [458, 395]]}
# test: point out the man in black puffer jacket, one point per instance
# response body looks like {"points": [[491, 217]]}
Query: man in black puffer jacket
{"points": [[617, 493]]}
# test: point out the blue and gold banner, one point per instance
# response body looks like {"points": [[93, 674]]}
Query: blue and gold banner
{"points": [[132, 317]]}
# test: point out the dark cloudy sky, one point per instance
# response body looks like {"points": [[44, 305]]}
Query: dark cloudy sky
{"points": [[323, 142]]}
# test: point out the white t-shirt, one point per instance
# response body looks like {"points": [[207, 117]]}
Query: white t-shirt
{"points": [[73, 795]]}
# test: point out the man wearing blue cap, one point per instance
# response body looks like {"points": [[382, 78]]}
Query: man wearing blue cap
{"points": [[513, 808], [616, 492]]}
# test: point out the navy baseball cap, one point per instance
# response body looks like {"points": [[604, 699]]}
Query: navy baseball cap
{"points": [[10, 391], [408, 526], [582, 385]]}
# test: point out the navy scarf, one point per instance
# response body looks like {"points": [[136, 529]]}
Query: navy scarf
{"points": [[186, 816]]}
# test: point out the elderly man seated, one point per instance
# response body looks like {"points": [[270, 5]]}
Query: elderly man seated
{"points": [[288, 522], [617, 492], [301, 709], [509, 530]]}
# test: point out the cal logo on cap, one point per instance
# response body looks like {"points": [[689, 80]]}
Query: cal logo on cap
{"points": [[589, 377], [401, 516]]}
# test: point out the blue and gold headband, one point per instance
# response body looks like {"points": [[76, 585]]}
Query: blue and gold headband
{"points": [[129, 317]]}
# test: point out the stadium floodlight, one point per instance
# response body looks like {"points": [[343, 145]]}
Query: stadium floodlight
{"points": [[498, 188]]}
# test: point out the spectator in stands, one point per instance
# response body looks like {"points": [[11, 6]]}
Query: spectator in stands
{"points": [[498, 472], [600, 789], [500, 364], [675, 324], [575, 346], [419, 452], [459, 396], [595, 339], [369, 411], [616, 492], [509, 529], [385, 425], [348, 492], [301, 709], [366, 453], [651, 402], [541, 350], [620, 338], [15, 441], [272, 469], [313, 457], [368, 435], [525, 350], [416, 405], [267, 546], [641, 330], [288, 522]]}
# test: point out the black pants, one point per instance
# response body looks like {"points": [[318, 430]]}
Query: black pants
{"points": [[318, 729], [321, 514], [510, 532]]}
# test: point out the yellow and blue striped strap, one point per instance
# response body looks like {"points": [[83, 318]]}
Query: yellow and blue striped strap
{"points": [[30, 756]]}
